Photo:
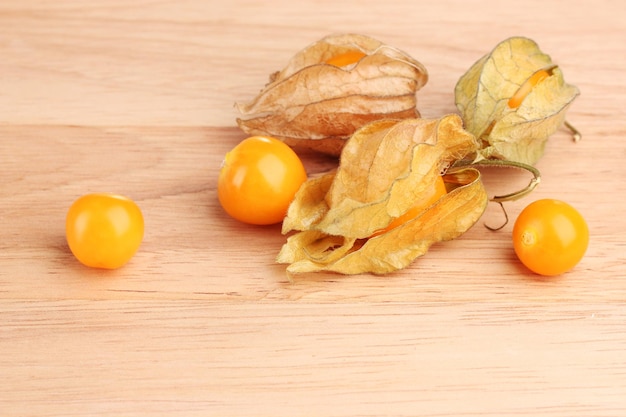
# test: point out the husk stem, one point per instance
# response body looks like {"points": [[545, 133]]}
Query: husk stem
{"points": [[575, 132], [500, 199]]}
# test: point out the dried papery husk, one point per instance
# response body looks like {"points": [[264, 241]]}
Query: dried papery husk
{"points": [[317, 105], [447, 219], [509, 128], [383, 169]]}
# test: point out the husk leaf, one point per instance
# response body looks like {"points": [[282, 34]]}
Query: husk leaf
{"points": [[482, 94], [383, 169], [317, 105]]}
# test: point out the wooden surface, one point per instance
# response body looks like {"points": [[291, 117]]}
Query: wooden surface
{"points": [[136, 97]]}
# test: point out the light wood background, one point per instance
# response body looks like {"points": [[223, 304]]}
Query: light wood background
{"points": [[136, 97]]}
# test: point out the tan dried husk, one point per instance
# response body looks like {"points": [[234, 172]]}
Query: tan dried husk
{"points": [[383, 169], [482, 94], [319, 106]]}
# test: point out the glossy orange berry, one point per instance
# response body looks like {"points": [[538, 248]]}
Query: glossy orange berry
{"points": [[258, 180], [104, 230], [345, 59], [550, 237], [516, 100]]}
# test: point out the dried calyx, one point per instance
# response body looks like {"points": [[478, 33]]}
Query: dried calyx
{"points": [[383, 207], [332, 88], [512, 100]]}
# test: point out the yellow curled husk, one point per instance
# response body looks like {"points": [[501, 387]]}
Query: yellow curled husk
{"points": [[383, 170]]}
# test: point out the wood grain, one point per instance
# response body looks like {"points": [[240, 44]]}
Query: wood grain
{"points": [[136, 97]]}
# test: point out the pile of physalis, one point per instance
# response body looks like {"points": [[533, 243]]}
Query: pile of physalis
{"points": [[402, 182]]}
